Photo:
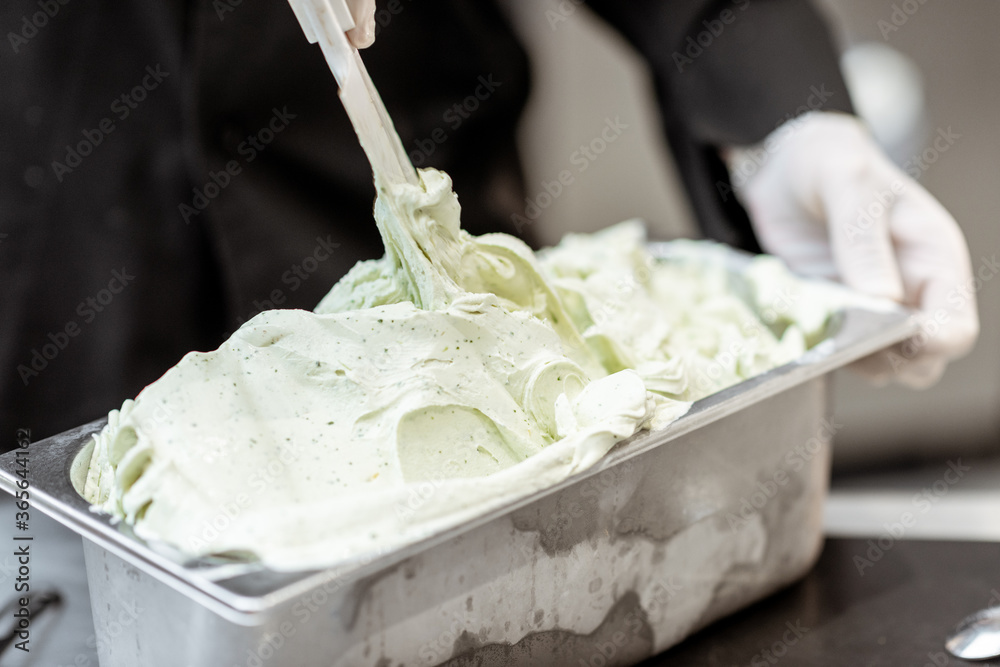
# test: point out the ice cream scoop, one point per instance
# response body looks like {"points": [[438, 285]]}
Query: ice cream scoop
{"points": [[325, 22]]}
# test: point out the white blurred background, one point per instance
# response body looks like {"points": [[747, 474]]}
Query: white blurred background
{"points": [[936, 71]]}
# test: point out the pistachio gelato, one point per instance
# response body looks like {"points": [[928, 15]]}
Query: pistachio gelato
{"points": [[451, 376]]}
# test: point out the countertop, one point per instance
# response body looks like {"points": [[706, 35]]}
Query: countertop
{"points": [[865, 604]]}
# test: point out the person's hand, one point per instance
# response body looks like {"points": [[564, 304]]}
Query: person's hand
{"points": [[824, 197], [363, 34]]}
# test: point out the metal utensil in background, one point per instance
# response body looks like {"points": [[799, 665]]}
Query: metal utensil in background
{"points": [[35, 603], [977, 637], [325, 22]]}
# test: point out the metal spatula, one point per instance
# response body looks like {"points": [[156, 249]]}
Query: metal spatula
{"points": [[325, 22]]}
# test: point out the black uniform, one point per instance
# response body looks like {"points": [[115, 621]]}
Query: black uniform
{"points": [[170, 168]]}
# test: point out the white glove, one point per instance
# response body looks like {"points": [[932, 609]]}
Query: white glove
{"points": [[824, 197], [363, 34]]}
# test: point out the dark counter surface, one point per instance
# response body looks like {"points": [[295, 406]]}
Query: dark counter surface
{"points": [[865, 604]]}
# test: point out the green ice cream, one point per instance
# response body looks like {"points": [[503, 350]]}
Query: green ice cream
{"points": [[451, 376]]}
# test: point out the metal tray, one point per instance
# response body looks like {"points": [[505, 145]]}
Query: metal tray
{"points": [[670, 531]]}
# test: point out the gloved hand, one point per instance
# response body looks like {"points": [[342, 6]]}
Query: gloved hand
{"points": [[363, 33], [824, 197]]}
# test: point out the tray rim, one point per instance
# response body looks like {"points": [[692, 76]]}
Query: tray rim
{"points": [[860, 333]]}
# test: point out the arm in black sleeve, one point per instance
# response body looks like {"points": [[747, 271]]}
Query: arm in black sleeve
{"points": [[728, 72]]}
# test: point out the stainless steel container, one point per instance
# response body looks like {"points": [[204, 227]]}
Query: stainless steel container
{"points": [[669, 532]]}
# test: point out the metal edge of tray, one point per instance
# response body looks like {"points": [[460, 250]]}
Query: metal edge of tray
{"points": [[860, 333]]}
